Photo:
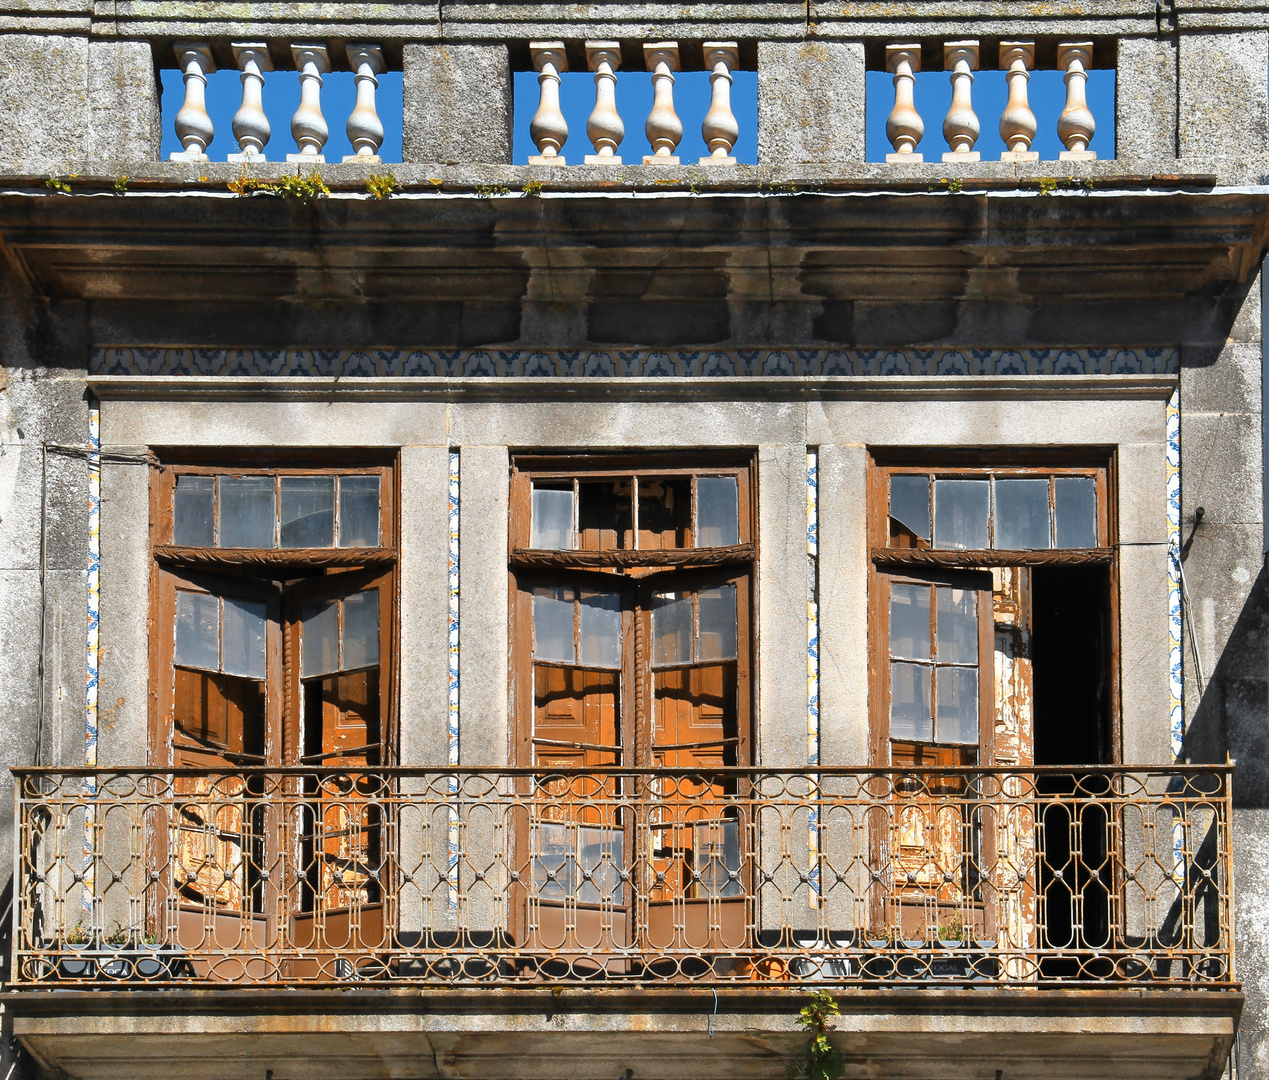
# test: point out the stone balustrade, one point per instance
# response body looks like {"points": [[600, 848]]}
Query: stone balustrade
{"points": [[251, 128], [961, 126], [605, 128]]}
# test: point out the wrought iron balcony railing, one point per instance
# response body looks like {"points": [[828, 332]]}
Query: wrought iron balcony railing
{"points": [[1104, 876]]}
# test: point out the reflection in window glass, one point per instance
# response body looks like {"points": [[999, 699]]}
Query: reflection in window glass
{"points": [[361, 630], [552, 525], [1022, 515], [910, 702], [716, 614], [957, 704], [193, 511], [717, 511], [601, 630], [601, 866], [910, 621], [359, 511], [197, 631], [1075, 507], [319, 652], [308, 511], [553, 623], [957, 626], [248, 512], [716, 846], [243, 638], [960, 514], [910, 504], [671, 628]]}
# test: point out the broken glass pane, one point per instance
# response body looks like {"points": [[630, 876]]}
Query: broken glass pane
{"points": [[193, 512], [910, 702], [359, 511], [308, 511], [910, 506], [248, 512], [361, 630], [319, 653], [665, 512], [1075, 506], [197, 631], [716, 614], [957, 704], [601, 630], [671, 628], [553, 623], [957, 626], [960, 514], [242, 650], [552, 525], [1022, 515], [910, 621], [717, 511], [604, 515]]}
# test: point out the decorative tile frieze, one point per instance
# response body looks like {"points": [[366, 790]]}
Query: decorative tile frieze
{"points": [[628, 363]]}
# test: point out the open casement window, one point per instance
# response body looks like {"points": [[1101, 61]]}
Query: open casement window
{"points": [[632, 636], [277, 654], [992, 634]]}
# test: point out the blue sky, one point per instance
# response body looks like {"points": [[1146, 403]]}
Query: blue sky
{"points": [[634, 100]]}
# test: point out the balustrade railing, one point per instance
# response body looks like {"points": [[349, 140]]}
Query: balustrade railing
{"points": [[1105, 877], [251, 127]]}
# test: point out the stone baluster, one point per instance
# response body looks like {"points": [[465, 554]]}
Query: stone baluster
{"points": [[1017, 122], [904, 126], [308, 125], [193, 126], [664, 128], [365, 129], [719, 128], [548, 129], [604, 128], [1076, 125], [960, 126], [251, 126]]}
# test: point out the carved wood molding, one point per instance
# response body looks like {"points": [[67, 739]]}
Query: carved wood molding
{"points": [[254, 559], [719, 556], [973, 560]]}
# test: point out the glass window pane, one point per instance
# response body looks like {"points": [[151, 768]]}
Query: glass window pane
{"points": [[554, 861], [552, 526], [910, 504], [1075, 505], [716, 847], [359, 511], [717, 511], [308, 511], [957, 626], [553, 623], [361, 630], [601, 859], [1022, 515], [243, 647], [601, 629], [716, 614], [671, 628], [910, 621], [910, 702], [957, 704], [247, 512], [960, 514], [319, 653], [193, 520], [197, 631]]}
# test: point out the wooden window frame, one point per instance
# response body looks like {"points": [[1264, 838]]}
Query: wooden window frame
{"points": [[927, 564]]}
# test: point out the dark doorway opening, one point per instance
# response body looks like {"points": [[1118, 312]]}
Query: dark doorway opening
{"points": [[1071, 636]]}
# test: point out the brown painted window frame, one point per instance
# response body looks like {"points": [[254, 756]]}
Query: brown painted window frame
{"points": [[896, 563]]}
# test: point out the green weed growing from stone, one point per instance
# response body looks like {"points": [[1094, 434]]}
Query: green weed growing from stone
{"points": [[382, 185], [821, 1060]]}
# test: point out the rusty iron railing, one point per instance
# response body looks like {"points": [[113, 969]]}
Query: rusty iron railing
{"points": [[1105, 876]]}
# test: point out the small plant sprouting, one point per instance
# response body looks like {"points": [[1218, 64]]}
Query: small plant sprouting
{"points": [[120, 935], [532, 190], [955, 186], [382, 185], [57, 185], [1048, 185], [488, 191], [302, 189], [955, 930], [120, 186], [78, 934], [821, 1061], [245, 184]]}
